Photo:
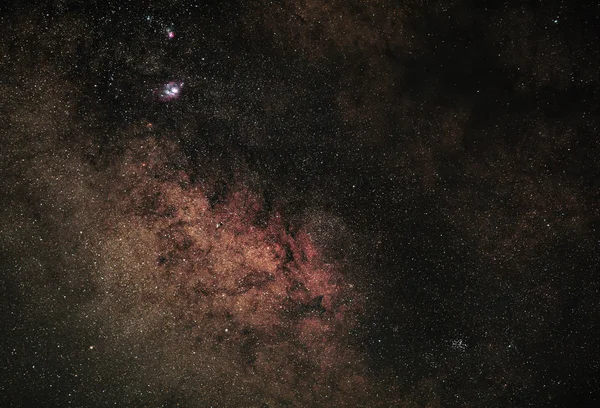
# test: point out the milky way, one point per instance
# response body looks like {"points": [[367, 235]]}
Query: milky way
{"points": [[299, 204]]}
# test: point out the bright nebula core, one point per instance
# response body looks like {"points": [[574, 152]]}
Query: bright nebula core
{"points": [[170, 32], [169, 91]]}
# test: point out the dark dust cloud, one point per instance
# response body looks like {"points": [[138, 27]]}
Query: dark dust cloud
{"points": [[299, 204]]}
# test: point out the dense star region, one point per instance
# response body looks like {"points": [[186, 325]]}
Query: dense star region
{"points": [[299, 204], [248, 300]]}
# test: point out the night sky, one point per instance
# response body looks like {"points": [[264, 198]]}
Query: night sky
{"points": [[299, 204]]}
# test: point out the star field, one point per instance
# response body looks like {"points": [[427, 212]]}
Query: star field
{"points": [[299, 204]]}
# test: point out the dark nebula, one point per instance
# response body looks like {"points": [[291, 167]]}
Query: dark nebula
{"points": [[299, 204]]}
